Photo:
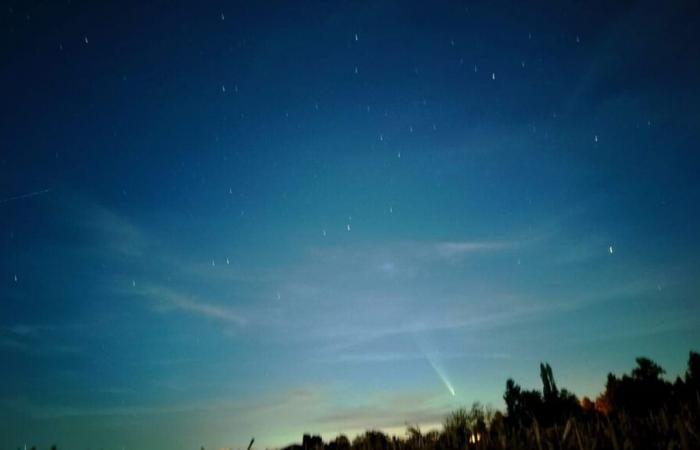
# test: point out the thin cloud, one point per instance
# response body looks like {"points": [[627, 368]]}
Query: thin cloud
{"points": [[525, 309], [391, 357], [460, 248], [288, 400], [168, 300], [419, 251], [38, 348]]}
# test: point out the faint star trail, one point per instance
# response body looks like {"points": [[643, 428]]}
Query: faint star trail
{"points": [[27, 195]]}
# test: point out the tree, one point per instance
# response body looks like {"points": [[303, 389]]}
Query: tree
{"points": [[414, 437], [640, 392], [550, 406], [512, 398], [692, 375], [431, 438], [476, 418], [371, 440], [549, 386], [309, 442], [341, 442], [647, 370], [522, 406], [456, 429]]}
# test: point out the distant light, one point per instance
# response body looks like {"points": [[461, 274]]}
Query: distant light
{"points": [[610, 249]]}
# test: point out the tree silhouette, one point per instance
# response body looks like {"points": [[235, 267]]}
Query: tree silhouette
{"points": [[548, 407], [522, 405], [692, 375], [647, 370], [644, 411], [311, 442], [549, 386], [341, 442], [371, 440], [456, 429], [642, 391]]}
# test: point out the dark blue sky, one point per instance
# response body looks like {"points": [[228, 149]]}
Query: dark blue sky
{"points": [[270, 218]]}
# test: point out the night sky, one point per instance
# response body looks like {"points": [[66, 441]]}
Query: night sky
{"points": [[220, 221]]}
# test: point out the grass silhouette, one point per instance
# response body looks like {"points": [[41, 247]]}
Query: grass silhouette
{"points": [[636, 411]]}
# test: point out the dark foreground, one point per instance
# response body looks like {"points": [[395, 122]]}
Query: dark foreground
{"points": [[640, 410]]}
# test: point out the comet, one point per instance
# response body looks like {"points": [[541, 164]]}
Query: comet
{"points": [[441, 374]]}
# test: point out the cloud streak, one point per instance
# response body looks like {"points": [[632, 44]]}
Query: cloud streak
{"points": [[168, 300], [453, 249]]}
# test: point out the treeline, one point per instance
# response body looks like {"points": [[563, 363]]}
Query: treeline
{"points": [[636, 411], [640, 410]]}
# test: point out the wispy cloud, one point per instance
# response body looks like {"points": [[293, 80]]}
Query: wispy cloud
{"points": [[356, 331], [412, 251], [357, 334], [165, 300], [358, 357], [274, 402], [103, 230], [27, 340], [462, 248], [669, 325]]}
